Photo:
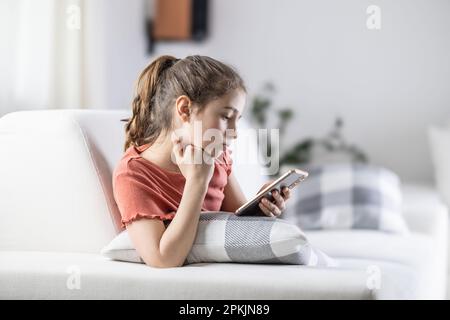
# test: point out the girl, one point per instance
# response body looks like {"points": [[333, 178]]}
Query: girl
{"points": [[159, 186]]}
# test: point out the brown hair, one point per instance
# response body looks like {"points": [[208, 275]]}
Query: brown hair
{"points": [[200, 78]]}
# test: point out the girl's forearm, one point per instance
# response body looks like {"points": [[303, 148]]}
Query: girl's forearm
{"points": [[179, 236]]}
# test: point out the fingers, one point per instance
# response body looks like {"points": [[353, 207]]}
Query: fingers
{"points": [[286, 193], [182, 153], [265, 210], [279, 200], [275, 209], [191, 154], [178, 149], [268, 208]]}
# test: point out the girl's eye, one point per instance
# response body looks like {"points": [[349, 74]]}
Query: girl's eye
{"points": [[225, 117]]}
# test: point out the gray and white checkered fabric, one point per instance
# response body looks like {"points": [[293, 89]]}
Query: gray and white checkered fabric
{"points": [[224, 237], [348, 196]]}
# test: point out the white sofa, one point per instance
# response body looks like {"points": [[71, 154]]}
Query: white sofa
{"points": [[57, 212]]}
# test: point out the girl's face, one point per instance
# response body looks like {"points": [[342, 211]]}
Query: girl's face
{"points": [[214, 127]]}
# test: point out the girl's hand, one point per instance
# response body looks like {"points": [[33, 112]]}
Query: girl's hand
{"points": [[275, 208], [194, 163]]}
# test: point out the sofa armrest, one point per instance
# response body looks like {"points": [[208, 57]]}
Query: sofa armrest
{"points": [[424, 210]]}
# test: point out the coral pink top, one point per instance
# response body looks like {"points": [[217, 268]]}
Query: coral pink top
{"points": [[142, 189]]}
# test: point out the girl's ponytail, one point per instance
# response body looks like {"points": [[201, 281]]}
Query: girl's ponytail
{"points": [[137, 127]]}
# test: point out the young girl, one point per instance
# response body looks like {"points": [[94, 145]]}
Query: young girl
{"points": [[159, 186]]}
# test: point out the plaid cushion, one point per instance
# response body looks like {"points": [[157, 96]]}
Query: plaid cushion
{"points": [[348, 196], [224, 237]]}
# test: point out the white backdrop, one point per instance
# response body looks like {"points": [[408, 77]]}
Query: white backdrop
{"points": [[48, 61], [389, 85], [40, 56]]}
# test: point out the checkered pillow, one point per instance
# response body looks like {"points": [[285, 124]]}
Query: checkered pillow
{"points": [[348, 196], [224, 237]]}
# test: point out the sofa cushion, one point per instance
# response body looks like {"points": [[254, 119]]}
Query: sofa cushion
{"points": [[420, 252], [348, 196], [51, 275], [224, 237], [412, 249], [421, 201]]}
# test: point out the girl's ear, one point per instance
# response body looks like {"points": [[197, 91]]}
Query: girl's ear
{"points": [[183, 106]]}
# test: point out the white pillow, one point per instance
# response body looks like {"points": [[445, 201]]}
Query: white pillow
{"points": [[224, 237], [348, 196]]}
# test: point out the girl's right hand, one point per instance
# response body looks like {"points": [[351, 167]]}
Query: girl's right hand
{"points": [[193, 162]]}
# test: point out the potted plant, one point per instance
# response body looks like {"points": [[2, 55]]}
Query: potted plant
{"points": [[332, 147]]}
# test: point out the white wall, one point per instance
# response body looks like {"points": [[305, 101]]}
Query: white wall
{"points": [[389, 85], [115, 51], [44, 64]]}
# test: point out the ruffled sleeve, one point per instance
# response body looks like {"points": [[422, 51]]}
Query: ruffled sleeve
{"points": [[136, 199]]}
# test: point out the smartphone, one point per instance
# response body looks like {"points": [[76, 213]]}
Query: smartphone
{"points": [[290, 179]]}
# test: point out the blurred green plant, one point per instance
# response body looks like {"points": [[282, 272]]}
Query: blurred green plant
{"points": [[303, 151]]}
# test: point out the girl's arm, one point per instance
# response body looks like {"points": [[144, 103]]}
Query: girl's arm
{"points": [[166, 248], [234, 197]]}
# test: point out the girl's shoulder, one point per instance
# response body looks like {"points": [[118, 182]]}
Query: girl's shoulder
{"points": [[129, 163], [132, 163]]}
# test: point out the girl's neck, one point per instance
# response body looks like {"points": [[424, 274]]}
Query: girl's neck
{"points": [[160, 153]]}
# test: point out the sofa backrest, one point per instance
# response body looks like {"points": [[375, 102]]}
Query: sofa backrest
{"points": [[55, 178], [54, 185]]}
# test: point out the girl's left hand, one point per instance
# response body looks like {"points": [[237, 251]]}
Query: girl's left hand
{"points": [[276, 208]]}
